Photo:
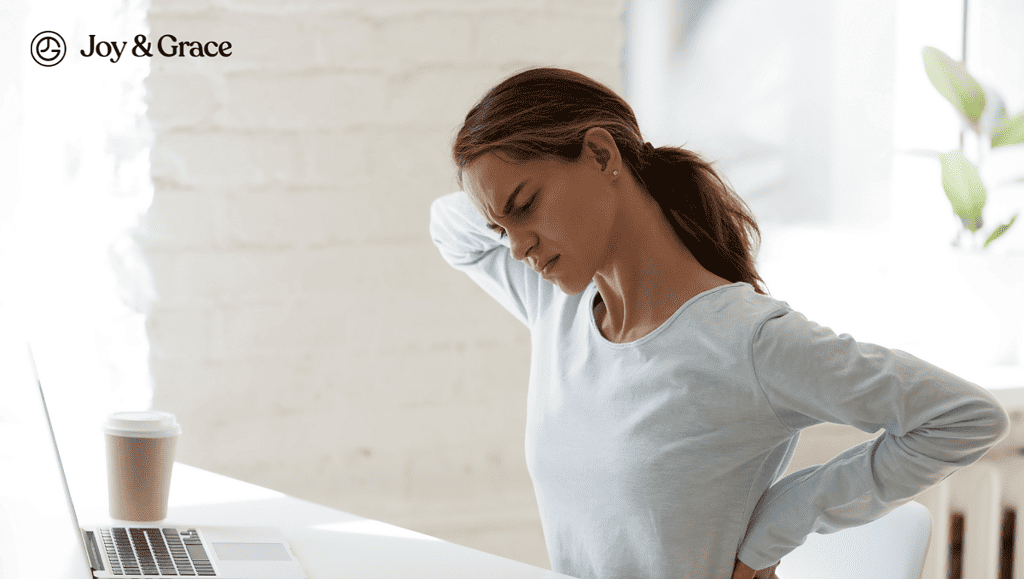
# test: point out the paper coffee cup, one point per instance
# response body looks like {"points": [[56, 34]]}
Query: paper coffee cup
{"points": [[140, 454]]}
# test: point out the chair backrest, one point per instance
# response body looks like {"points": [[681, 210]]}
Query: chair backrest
{"points": [[891, 547]]}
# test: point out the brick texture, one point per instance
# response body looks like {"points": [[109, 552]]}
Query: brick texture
{"points": [[307, 333]]}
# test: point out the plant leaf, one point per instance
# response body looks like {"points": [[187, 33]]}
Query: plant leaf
{"points": [[954, 83], [964, 189], [999, 231], [995, 111], [1009, 131]]}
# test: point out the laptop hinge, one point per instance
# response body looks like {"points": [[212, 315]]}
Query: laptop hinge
{"points": [[95, 559]]}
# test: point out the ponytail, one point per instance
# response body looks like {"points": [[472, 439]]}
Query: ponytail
{"points": [[711, 220]]}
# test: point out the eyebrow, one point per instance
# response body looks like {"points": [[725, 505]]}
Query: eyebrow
{"points": [[509, 204]]}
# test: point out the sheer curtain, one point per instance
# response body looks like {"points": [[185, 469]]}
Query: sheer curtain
{"points": [[74, 179], [817, 113], [794, 99]]}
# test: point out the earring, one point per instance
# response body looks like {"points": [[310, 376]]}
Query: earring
{"points": [[615, 172]]}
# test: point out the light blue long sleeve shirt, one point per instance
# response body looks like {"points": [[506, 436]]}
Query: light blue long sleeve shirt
{"points": [[662, 457]]}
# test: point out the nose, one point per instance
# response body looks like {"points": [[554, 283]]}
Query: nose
{"points": [[519, 244]]}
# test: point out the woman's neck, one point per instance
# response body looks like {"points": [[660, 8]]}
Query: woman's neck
{"points": [[649, 274]]}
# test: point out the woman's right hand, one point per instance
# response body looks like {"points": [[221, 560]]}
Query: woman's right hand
{"points": [[742, 571]]}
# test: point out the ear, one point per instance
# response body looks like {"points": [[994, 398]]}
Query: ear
{"points": [[600, 149]]}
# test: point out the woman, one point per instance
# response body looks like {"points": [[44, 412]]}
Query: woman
{"points": [[667, 390]]}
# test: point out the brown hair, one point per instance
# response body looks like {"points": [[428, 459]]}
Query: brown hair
{"points": [[545, 112]]}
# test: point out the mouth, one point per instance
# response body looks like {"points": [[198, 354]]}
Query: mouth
{"points": [[547, 266]]}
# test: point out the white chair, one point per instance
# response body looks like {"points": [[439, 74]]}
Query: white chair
{"points": [[891, 547]]}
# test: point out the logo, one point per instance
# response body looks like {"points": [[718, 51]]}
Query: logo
{"points": [[48, 48]]}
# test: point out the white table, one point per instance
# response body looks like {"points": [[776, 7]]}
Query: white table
{"points": [[329, 543], [38, 539]]}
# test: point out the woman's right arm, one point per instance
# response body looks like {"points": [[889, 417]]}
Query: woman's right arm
{"points": [[461, 234]]}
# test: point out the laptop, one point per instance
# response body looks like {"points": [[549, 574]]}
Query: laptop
{"points": [[41, 538]]}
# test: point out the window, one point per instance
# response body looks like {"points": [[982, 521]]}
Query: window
{"points": [[74, 177], [799, 100]]}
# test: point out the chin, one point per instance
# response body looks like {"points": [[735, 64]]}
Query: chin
{"points": [[571, 289]]}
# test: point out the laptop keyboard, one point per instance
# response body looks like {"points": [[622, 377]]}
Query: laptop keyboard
{"points": [[153, 551]]}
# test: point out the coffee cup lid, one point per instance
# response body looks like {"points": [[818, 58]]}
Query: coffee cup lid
{"points": [[142, 424]]}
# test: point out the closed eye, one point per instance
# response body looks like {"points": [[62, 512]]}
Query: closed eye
{"points": [[528, 205], [526, 208], [515, 213]]}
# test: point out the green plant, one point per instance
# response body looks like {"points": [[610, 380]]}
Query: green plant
{"points": [[984, 113]]}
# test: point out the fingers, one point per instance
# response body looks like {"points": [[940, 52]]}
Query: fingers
{"points": [[742, 571]]}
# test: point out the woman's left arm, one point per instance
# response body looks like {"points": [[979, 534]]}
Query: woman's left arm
{"points": [[935, 423]]}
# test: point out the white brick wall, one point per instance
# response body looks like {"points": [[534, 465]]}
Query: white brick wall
{"points": [[307, 334]]}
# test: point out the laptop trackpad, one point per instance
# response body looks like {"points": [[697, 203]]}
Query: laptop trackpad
{"points": [[251, 552]]}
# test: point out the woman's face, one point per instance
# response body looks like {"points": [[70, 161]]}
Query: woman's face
{"points": [[558, 216]]}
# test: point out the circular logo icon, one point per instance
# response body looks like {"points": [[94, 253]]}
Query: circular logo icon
{"points": [[48, 48]]}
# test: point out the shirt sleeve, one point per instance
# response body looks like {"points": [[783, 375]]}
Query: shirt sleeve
{"points": [[935, 423], [461, 234]]}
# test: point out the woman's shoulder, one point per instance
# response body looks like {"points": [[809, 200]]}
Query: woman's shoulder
{"points": [[740, 298]]}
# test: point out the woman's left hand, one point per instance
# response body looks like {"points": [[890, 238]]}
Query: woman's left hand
{"points": [[742, 571]]}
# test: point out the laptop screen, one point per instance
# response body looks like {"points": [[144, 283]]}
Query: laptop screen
{"points": [[39, 534]]}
